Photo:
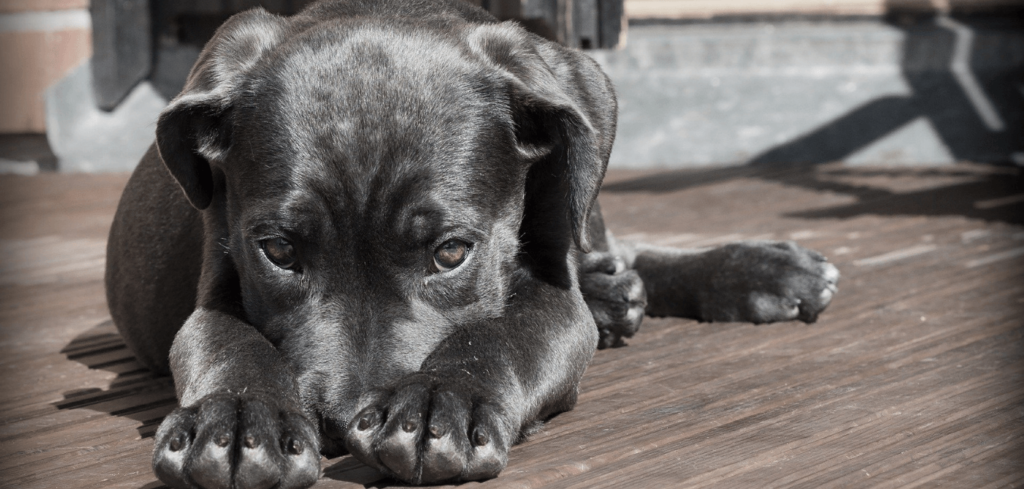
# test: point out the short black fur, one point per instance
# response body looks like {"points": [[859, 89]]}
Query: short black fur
{"points": [[361, 136]]}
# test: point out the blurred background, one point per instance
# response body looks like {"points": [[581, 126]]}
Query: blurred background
{"points": [[701, 83]]}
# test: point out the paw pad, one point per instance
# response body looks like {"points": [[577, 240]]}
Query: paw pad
{"points": [[429, 431], [197, 447]]}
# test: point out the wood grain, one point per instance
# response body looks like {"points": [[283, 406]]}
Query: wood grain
{"points": [[913, 377]]}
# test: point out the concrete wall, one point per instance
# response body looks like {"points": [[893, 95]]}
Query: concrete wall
{"points": [[862, 91], [859, 90]]}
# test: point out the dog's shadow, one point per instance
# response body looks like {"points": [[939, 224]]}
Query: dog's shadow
{"points": [[135, 393], [138, 394]]}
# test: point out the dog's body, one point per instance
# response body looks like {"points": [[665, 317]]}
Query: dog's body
{"points": [[363, 228]]}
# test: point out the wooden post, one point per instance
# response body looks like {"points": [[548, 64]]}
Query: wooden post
{"points": [[612, 24], [584, 24], [122, 48], [586, 28]]}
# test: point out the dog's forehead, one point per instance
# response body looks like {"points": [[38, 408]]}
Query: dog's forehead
{"points": [[371, 116], [369, 96], [370, 99]]}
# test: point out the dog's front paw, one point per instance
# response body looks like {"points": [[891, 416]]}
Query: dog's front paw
{"points": [[615, 296], [228, 441], [431, 429], [767, 281]]}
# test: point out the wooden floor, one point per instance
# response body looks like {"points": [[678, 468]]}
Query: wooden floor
{"points": [[913, 377]]}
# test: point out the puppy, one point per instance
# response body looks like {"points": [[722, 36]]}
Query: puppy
{"points": [[371, 228]]}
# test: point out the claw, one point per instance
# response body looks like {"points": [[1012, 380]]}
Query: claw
{"points": [[295, 447], [435, 430], [197, 446], [480, 438], [831, 273], [826, 294], [619, 265], [367, 420]]}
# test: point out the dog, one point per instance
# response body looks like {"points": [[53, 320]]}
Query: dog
{"points": [[372, 228]]}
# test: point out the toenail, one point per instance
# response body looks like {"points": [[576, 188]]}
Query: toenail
{"points": [[410, 425], [365, 422], [435, 431], [250, 441], [294, 446], [223, 440], [480, 438]]}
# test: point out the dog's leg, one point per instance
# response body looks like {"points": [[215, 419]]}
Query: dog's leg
{"points": [[479, 391], [154, 256], [613, 291], [240, 424], [755, 281]]}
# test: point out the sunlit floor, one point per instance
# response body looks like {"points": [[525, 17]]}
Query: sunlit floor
{"points": [[912, 377]]}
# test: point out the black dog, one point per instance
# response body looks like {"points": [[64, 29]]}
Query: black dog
{"points": [[382, 247]]}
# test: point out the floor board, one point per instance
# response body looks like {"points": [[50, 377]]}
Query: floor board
{"points": [[913, 377]]}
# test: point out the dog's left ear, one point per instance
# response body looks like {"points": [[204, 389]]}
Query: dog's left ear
{"points": [[195, 129], [563, 109]]}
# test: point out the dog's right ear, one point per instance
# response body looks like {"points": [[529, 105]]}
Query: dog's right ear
{"points": [[194, 131], [562, 104], [563, 111]]}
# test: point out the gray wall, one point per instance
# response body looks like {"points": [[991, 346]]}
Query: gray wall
{"points": [[861, 91], [728, 93]]}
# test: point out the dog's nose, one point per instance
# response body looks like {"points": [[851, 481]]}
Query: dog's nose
{"points": [[333, 428]]}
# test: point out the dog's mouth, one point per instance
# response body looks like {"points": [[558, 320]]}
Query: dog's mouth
{"points": [[332, 437], [332, 448]]}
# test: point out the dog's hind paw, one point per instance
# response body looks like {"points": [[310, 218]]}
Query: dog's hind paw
{"points": [[767, 281], [238, 442], [430, 430], [615, 296]]}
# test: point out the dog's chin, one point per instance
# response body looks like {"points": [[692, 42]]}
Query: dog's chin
{"points": [[332, 438], [332, 448]]}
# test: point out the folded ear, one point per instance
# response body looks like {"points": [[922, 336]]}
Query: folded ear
{"points": [[563, 108], [194, 131]]}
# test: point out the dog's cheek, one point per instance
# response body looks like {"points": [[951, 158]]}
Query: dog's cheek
{"points": [[477, 290], [498, 264], [268, 293], [453, 292]]}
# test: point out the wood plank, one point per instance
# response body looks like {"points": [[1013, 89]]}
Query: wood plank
{"points": [[913, 377]]}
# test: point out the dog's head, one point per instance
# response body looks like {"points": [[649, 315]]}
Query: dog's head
{"points": [[369, 186]]}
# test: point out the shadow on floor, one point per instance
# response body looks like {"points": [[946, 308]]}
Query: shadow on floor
{"points": [[134, 394], [993, 197], [139, 395], [964, 79], [987, 193]]}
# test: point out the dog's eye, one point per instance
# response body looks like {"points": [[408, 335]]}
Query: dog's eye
{"points": [[280, 252], [450, 254]]}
